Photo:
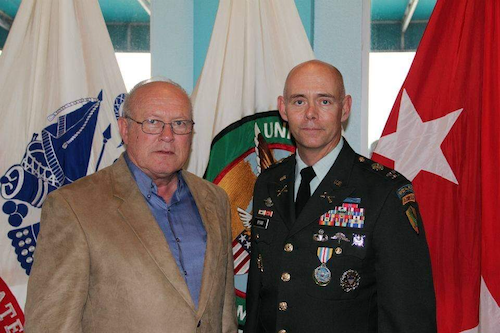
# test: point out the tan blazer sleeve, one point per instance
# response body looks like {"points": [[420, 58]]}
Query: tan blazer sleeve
{"points": [[229, 321], [58, 284]]}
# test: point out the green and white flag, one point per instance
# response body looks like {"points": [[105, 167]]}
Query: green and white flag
{"points": [[237, 134]]}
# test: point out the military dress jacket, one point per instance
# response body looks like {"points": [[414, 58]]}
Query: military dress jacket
{"points": [[355, 260], [103, 263]]}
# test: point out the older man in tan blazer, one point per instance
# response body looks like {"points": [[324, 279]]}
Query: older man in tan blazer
{"points": [[139, 246]]}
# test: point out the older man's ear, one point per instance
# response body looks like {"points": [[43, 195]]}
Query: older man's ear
{"points": [[123, 128]]}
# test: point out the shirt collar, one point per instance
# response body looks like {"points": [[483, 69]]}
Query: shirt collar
{"points": [[148, 187], [321, 167]]}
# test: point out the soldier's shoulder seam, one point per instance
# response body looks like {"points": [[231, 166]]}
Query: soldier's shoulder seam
{"points": [[378, 169], [279, 163]]}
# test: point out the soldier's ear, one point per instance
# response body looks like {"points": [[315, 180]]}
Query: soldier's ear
{"points": [[123, 127], [346, 107], [282, 108]]}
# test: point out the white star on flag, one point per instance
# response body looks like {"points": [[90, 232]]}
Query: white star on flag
{"points": [[416, 145]]}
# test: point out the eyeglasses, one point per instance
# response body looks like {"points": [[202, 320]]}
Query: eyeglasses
{"points": [[155, 126]]}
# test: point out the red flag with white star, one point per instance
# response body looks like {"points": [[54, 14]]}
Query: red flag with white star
{"points": [[442, 134]]}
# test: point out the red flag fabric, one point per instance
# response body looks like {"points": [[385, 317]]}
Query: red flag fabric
{"points": [[443, 135]]}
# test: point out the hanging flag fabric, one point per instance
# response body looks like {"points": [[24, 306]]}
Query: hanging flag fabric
{"points": [[254, 45], [442, 134], [61, 91], [238, 155]]}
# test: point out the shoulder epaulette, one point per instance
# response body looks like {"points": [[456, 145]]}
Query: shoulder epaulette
{"points": [[377, 168]]}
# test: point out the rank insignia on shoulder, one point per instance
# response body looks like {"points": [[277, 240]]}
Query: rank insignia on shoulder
{"points": [[393, 174], [268, 202], [358, 240], [349, 280], [377, 167], [411, 213]]}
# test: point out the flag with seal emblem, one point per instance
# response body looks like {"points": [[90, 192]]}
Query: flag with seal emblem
{"points": [[238, 155], [254, 45], [442, 134], [61, 91]]}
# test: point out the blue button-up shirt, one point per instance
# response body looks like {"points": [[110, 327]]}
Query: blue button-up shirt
{"points": [[181, 224]]}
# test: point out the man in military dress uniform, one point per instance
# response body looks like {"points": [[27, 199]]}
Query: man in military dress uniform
{"points": [[351, 257]]}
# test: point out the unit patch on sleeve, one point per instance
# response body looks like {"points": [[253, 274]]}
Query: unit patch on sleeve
{"points": [[411, 213]]}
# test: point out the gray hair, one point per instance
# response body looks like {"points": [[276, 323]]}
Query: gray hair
{"points": [[127, 103]]}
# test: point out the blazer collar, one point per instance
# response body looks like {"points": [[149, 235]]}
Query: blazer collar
{"points": [[206, 203]]}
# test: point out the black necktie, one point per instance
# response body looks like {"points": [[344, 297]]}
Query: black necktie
{"points": [[304, 189]]}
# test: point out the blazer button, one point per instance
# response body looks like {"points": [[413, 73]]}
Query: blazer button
{"points": [[283, 306], [199, 324], [285, 277], [288, 247]]}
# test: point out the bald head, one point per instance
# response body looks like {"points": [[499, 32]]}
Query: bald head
{"points": [[315, 105], [314, 67], [146, 87]]}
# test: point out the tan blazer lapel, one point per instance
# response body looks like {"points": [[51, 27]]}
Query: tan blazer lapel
{"points": [[206, 203], [138, 216]]}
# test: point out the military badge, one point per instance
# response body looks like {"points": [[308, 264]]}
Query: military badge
{"points": [[322, 275], [411, 213], [377, 167], [337, 182], [327, 197], [339, 236], [320, 236], [358, 240], [361, 159], [281, 191], [349, 280], [268, 202]]}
